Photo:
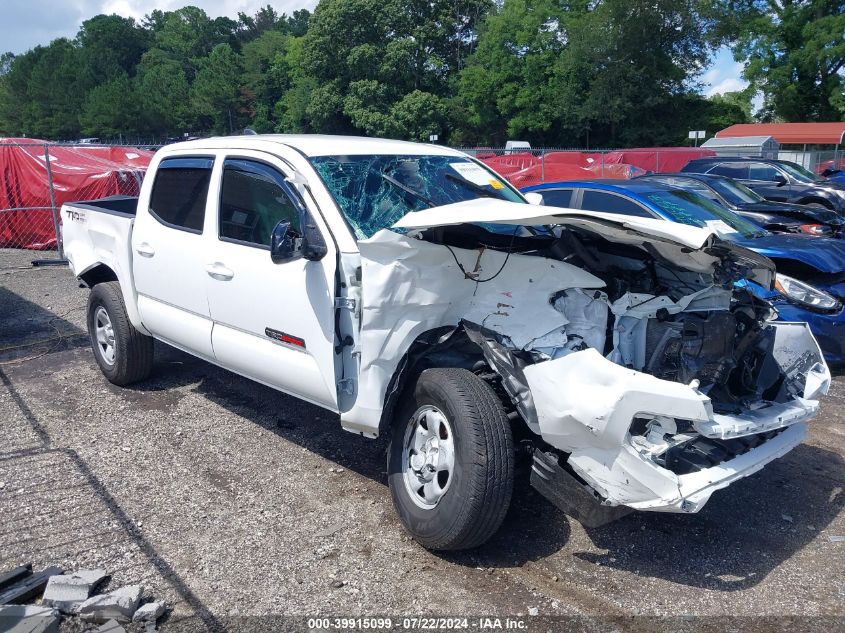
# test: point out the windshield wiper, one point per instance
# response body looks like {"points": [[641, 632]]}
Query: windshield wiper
{"points": [[474, 187], [408, 190]]}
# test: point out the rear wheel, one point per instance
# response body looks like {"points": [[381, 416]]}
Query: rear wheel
{"points": [[124, 354], [450, 462]]}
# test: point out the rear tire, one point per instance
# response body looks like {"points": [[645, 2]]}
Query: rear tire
{"points": [[451, 407], [124, 354]]}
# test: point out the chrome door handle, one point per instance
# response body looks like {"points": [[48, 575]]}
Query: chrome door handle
{"points": [[145, 250], [219, 272]]}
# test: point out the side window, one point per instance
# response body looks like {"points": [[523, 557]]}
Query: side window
{"points": [[731, 170], [761, 171], [253, 199], [179, 192], [557, 197], [611, 203]]}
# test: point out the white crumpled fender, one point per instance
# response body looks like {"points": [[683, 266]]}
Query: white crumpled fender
{"points": [[411, 286]]}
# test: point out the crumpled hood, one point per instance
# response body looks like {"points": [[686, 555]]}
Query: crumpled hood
{"points": [[825, 254], [694, 248]]}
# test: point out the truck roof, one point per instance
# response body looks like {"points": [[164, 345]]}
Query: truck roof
{"points": [[320, 144]]}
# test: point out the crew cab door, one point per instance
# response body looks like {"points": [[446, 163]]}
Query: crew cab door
{"points": [[273, 322], [168, 254]]}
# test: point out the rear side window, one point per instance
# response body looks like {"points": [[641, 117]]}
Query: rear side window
{"points": [[611, 203], [761, 171], [179, 192], [557, 197], [254, 198], [731, 170]]}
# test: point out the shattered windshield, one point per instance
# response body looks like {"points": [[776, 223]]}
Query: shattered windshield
{"points": [[374, 192]]}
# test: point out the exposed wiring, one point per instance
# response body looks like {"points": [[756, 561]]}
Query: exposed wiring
{"points": [[498, 272]]}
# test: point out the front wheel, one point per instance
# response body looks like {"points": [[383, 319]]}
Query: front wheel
{"points": [[124, 354], [450, 461]]}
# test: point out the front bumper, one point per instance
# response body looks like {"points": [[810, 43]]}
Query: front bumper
{"points": [[586, 405]]}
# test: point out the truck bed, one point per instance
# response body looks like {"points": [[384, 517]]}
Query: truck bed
{"points": [[126, 206]]}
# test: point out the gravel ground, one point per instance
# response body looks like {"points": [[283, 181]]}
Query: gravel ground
{"points": [[229, 499]]}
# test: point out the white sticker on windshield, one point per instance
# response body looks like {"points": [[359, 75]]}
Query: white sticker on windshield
{"points": [[720, 227], [473, 173]]}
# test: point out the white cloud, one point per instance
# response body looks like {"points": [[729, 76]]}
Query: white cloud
{"points": [[724, 76], [28, 23], [729, 84]]}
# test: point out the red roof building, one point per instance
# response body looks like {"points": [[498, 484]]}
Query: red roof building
{"points": [[791, 133]]}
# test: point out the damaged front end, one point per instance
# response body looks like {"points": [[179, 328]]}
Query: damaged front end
{"points": [[647, 376]]}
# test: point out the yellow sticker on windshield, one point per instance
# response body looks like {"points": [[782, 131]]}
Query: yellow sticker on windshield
{"points": [[496, 184]]}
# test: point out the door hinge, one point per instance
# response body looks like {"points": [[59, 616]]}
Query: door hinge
{"points": [[347, 386], [344, 303]]}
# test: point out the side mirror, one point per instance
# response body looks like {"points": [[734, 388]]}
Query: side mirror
{"points": [[532, 197], [780, 180], [285, 243]]}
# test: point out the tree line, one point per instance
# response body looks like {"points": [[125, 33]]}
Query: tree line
{"points": [[591, 73]]}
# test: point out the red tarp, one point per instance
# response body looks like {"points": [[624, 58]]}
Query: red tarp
{"points": [[524, 169], [657, 158], [79, 173]]}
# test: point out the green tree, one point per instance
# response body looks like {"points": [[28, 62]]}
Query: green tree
{"points": [[794, 53], [111, 46], [606, 72], [215, 94], [163, 95], [366, 56], [110, 110]]}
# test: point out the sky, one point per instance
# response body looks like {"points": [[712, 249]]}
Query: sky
{"points": [[27, 23]]}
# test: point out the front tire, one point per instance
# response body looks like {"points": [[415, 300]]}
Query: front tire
{"points": [[124, 354], [450, 461]]}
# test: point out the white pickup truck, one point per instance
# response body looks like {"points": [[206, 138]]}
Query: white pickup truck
{"points": [[412, 291]]}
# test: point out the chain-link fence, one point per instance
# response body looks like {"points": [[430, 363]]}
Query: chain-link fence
{"points": [[530, 166], [37, 178]]}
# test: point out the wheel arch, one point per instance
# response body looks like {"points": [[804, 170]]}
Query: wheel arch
{"points": [[447, 346], [101, 273], [816, 200], [97, 274]]}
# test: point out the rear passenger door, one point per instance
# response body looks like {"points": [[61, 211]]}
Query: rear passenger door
{"points": [[168, 254], [273, 322]]}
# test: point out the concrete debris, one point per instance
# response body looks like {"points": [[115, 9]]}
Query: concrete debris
{"points": [[18, 618], [835, 538], [119, 605], [111, 627], [68, 591], [149, 612], [29, 588], [533, 611]]}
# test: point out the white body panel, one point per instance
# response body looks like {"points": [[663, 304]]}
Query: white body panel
{"points": [[215, 299]]}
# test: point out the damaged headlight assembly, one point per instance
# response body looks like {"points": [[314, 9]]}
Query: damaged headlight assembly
{"points": [[805, 295]]}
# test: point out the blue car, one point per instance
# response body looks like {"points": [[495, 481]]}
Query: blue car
{"points": [[810, 283]]}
